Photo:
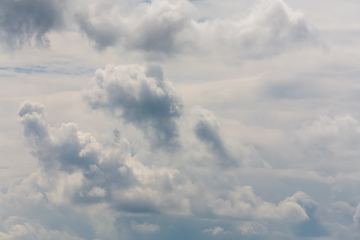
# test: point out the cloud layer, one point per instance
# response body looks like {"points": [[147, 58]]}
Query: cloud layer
{"points": [[262, 142], [159, 28]]}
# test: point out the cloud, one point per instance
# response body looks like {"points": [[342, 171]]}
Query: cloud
{"points": [[243, 203], [144, 227], [158, 28], [271, 27], [29, 21], [77, 174], [155, 26], [207, 130], [214, 231], [313, 226], [356, 216], [162, 27], [328, 139], [252, 228], [17, 228], [76, 169], [140, 95]]}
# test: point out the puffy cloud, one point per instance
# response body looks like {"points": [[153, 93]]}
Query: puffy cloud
{"points": [[155, 26], [27, 21], [141, 96], [77, 174], [271, 27], [17, 228], [76, 169], [243, 203], [166, 27]]}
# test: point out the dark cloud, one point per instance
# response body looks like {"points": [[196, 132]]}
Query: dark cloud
{"points": [[29, 21], [141, 96]]}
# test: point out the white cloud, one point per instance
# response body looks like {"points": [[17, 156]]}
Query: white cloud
{"points": [[19, 228], [252, 228], [144, 227], [243, 203], [214, 230]]}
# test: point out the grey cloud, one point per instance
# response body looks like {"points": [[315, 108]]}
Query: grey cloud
{"points": [[152, 26], [29, 21], [207, 130], [328, 139], [165, 28], [87, 175], [144, 227], [312, 227], [86, 172], [71, 151], [17, 228], [269, 29], [141, 96], [159, 28], [103, 34]]}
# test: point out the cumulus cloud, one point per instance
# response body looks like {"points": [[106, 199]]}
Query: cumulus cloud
{"points": [[158, 28], [167, 27], [141, 96], [96, 184], [271, 27], [76, 169], [155, 26], [243, 203], [29, 21], [20, 228]]}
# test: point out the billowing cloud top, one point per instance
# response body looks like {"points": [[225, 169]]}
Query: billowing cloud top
{"points": [[141, 96]]}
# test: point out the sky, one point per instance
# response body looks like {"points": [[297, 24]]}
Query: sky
{"points": [[178, 119]]}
